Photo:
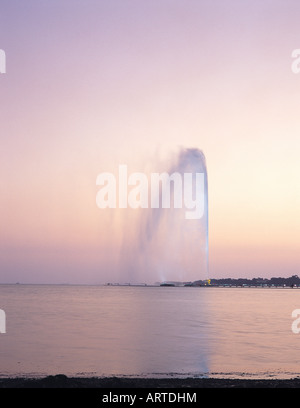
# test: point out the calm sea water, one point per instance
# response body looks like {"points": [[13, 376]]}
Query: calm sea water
{"points": [[149, 331]]}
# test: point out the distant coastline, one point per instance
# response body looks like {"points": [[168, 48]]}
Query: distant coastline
{"points": [[274, 282], [291, 282]]}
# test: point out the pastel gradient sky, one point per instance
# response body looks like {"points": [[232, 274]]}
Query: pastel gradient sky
{"points": [[91, 84]]}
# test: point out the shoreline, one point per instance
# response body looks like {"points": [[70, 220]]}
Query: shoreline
{"points": [[151, 285], [62, 381]]}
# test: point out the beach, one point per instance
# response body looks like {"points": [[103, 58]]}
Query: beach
{"points": [[62, 381]]}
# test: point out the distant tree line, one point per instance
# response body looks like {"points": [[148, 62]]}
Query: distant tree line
{"points": [[291, 281]]}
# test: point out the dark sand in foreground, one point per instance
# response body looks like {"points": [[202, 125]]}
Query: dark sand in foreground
{"points": [[62, 381]]}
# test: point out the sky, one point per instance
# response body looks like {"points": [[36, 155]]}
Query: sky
{"points": [[93, 84]]}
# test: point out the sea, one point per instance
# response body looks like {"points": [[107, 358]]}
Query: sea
{"points": [[129, 331]]}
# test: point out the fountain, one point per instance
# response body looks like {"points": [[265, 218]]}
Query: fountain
{"points": [[169, 243]]}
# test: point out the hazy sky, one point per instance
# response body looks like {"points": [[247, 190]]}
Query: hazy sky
{"points": [[94, 84]]}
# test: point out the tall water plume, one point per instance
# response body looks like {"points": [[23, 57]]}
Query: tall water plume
{"points": [[162, 244]]}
